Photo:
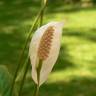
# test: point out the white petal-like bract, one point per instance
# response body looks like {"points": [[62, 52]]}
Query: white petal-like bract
{"points": [[48, 63]]}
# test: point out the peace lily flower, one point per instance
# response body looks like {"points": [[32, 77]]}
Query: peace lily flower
{"points": [[44, 50]]}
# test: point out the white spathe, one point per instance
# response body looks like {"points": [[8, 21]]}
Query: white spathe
{"points": [[47, 64]]}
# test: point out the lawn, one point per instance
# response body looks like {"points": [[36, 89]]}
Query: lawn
{"points": [[75, 71]]}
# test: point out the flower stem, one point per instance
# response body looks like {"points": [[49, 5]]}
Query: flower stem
{"points": [[43, 2], [42, 13], [24, 76], [38, 78], [21, 56], [36, 92], [38, 71], [23, 51], [40, 63], [25, 45]]}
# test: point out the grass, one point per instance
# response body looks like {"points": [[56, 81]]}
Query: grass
{"points": [[75, 71]]}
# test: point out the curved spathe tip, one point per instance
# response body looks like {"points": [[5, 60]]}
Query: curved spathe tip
{"points": [[57, 24], [61, 24]]}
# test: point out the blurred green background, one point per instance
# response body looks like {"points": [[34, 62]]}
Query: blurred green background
{"points": [[75, 71]]}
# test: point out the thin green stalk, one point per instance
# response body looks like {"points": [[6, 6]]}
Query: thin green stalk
{"points": [[26, 42], [26, 69], [43, 2], [28, 38], [42, 13], [40, 61], [41, 18], [38, 71], [37, 91], [22, 54], [24, 76], [38, 78]]}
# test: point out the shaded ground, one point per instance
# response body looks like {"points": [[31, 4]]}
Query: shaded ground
{"points": [[79, 86]]}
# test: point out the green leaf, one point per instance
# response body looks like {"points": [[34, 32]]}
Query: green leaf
{"points": [[5, 82]]}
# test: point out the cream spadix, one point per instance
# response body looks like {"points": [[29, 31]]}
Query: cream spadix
{"points": [[45, 46]]}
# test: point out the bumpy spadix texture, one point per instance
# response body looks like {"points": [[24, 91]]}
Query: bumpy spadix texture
{"points": [[45, 43], [45, 46]]}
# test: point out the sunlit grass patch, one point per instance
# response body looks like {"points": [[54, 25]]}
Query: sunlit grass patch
{"points": [[76, 19], [69, 74]]}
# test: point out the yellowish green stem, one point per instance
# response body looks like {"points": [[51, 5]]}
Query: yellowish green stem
{"points": [[38, 77], [24, 76], [43, 3], [23, 51]]}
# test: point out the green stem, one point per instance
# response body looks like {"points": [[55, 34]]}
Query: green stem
{"points": [[40, 61], [38, 78], [38, 71], [37, 91], [25, 45], [22, 54], [42, 12], [37, 88], [20, 61], [24, 76], [41, 20]]}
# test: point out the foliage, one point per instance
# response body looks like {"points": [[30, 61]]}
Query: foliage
{"points": [[5, 82]]}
